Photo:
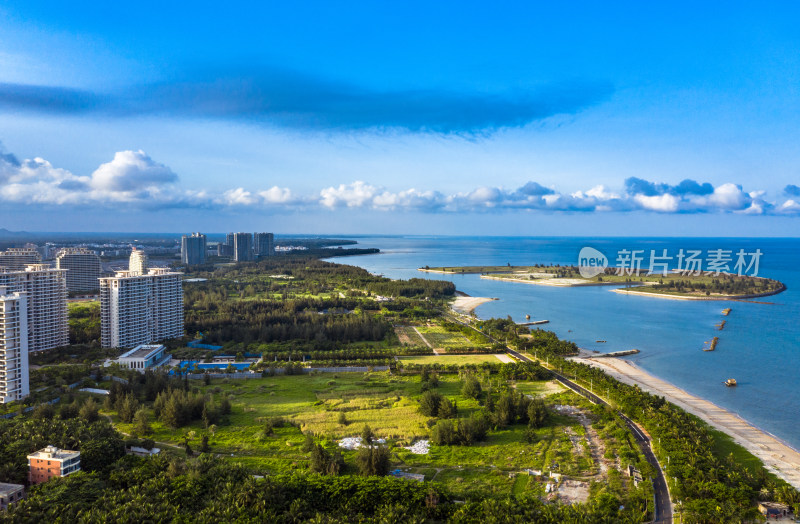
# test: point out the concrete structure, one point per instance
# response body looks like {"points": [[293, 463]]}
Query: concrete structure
{"points": [[83, 268], [18, 258], [52, 462], [14, 383], [193, 249], [224, 250], [46, 251], [242, 247], [137, 264], [774, 510], [229, 239], [144, 357], [263, 244], [141, 452], [10, 493], [141, 309], [47, 303]]}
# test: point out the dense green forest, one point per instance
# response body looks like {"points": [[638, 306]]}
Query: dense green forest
{"points": [[295, 307], [721, 285], [210, 490], [306, 320], [84, 322], [318, 305]]}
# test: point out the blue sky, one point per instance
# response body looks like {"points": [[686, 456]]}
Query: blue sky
{"points": [[452, 118]]}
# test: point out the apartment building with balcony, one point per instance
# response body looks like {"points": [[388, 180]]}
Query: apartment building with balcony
{"points": [[140, 309], [14, 384], [46, 290], [83, 268]]}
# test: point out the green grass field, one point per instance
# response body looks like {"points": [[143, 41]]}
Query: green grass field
{"points": [[313, 403], [450, 359], [407, 335], [439, 337]]}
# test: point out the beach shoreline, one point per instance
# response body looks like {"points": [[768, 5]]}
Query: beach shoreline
{"points": [[466, 304], [554, 282], [778, 457], [624, 291]]}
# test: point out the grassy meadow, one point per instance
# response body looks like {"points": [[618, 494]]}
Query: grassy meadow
{"points": [[312, 405]]}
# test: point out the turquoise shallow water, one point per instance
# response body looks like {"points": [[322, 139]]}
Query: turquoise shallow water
{"points": [[760, 345]]}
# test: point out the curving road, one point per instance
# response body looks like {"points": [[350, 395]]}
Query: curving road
{"points": [[662, 504]]}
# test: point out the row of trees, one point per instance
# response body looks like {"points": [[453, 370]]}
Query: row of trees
{"points": [[724, 285], [508, 408], [713, 488], [176, 408], [268, 321], [206, 489]]}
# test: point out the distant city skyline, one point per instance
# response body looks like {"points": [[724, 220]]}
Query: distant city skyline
{"points": [[621, 119]]}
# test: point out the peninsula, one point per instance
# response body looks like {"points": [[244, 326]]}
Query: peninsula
{"points": [[674, 285]]}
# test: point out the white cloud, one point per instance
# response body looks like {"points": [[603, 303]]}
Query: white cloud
{"points": [[131, 171], [600, 193], [238, 196], [135, 179], [790, 206], [357, 194], [276, 195], [487, 196], [662, 203], [729, 196]]}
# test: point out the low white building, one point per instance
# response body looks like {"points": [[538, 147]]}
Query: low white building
{"points": [[144, 357]]}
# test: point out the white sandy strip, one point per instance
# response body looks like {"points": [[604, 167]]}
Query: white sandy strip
{"points": [[778, 457], [505, 358], [555, 282], [665, 295], [467, 304]]}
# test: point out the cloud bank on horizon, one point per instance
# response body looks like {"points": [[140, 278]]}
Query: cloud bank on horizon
{"points": [[133, 178]]}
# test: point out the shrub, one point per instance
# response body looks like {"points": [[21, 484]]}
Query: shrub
{"points": [[429, 403], [373, 460], [537, 414], [471, 387]]}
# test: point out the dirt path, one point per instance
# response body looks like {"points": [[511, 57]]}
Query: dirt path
{"points": [[778, 457], [435, 352]]}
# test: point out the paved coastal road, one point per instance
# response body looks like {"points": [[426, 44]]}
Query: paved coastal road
{"points": [[663, 506]]}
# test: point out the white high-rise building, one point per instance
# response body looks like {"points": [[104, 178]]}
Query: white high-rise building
{"points": [[137, 264], [83, 267], [14, 384], [46, 290], [140, 309], [18, 258]]}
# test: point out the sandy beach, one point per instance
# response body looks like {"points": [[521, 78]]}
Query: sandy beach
{"points": [[778, 457], [555, 282], [623, 291], [695, 297], [467, 304]]}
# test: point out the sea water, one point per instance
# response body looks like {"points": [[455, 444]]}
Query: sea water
{"points": [[759, 346]]}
